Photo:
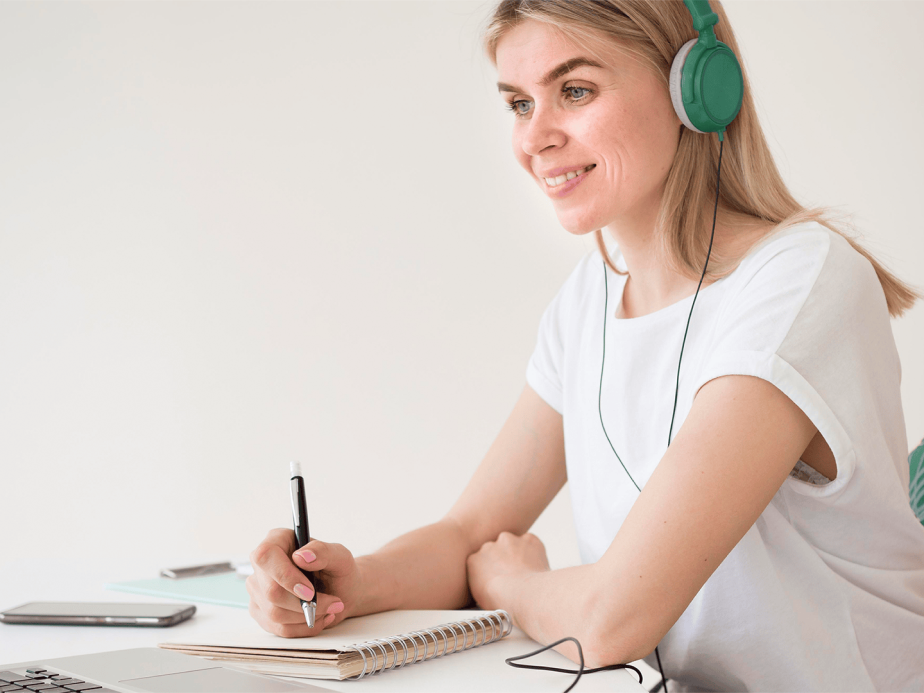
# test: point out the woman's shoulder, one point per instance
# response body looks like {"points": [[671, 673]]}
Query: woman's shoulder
{"points": [[807, 255], [796, 247], [800, 288]]}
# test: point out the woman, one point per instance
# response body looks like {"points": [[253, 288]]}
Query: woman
{"points": [[771, 546]]}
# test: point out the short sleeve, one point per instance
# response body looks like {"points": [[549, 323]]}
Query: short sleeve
{"points": [[808, 315], [546, 369]]}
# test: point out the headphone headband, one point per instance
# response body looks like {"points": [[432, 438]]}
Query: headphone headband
{"points": [[703, 16]]}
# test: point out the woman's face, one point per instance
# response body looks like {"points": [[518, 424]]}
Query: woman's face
{"points": [[616, 118]]}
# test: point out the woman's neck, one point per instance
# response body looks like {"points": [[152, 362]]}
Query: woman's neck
{"points": [[653, 284]]}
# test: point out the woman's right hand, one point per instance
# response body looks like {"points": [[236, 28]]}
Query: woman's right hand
{"points": [[277, 584]]}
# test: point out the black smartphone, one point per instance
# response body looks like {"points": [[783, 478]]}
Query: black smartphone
{"points": [[98, 614]]}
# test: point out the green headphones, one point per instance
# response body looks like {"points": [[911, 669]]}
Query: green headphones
{"points": [[706, 83]]}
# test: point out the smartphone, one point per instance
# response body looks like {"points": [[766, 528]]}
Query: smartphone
{"points": [[98, 614]]}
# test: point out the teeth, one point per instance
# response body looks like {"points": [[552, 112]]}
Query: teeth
{"points": [[558, 180]]}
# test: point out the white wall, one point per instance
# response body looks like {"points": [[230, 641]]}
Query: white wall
{"points": [[234, 234]]}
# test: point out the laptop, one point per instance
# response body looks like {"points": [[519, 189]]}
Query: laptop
{"points": [[139, 670]]}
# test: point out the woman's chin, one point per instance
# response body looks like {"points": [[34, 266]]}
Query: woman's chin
{"points": [[578, 227]]}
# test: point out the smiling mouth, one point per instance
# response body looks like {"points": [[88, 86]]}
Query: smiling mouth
{"points": [[565, 177]]}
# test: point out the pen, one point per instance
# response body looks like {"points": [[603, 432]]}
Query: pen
{"points": [[302, 537]]}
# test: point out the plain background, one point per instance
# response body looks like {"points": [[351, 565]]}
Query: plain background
{"points": [[235, 234]]}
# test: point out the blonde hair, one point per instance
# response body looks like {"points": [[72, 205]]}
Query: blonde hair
{"points": [[751, 189]]}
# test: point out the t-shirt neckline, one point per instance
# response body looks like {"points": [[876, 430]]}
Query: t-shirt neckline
{"points": [[670, 311], [666, 313]]}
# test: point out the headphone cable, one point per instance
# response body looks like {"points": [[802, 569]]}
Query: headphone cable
{"points": [[581, 671], [663, 681]]}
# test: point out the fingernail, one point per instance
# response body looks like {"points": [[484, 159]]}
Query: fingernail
{"points": [[335, 608], [306, 556], [328, 619], [304, 591]]}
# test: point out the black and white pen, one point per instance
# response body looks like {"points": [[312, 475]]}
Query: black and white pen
{"points": [[302, 536]]}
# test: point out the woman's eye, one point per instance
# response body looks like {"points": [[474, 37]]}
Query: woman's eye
{"points": [[521, 107], [515, 106], [579, 96]]}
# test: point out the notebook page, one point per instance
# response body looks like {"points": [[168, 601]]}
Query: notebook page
{"points": [[353, 630]]}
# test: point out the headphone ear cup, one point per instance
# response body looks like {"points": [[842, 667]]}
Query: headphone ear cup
{"points": [[720, 87], [675, 82], [717, 83]]}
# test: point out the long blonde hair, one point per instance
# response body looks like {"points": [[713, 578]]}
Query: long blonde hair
{"points": [[751, 189]]}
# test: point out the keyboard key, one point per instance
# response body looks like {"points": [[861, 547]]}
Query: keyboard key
{"points": [[36, 671], [39, 686], [64, 690], [10, 688], [81, 686], [65, 681], [11, 677]]}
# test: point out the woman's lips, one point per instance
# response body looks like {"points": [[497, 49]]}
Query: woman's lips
{"points": [[564, 188]]}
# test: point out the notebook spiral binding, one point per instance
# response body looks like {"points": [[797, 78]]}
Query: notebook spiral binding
{"points": [[504, 627]]}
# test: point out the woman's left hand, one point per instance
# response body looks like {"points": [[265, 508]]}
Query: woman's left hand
{"points": [[496, 563]]}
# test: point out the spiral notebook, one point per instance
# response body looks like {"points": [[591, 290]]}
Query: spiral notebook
{"points": [[356, 647]]}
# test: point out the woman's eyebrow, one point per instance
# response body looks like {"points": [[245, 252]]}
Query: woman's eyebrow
{"points": [[555, 73]]}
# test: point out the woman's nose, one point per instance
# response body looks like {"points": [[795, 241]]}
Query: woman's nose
{"points": [[541, 131]]}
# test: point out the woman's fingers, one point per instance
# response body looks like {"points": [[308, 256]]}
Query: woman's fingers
{"points": [[279, 595], [280, 605], [278, 584], [275, 570], [284, 538], [289, 624], [334, 559], [333, 614]]}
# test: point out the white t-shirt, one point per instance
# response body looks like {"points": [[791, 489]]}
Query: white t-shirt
{"points": [[826, 590]]}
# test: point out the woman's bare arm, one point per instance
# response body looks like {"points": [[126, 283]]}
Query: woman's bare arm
{"points": [[733, 452], [522, 472]]}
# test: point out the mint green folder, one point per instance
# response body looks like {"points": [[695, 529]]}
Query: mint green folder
{"points": [[226, 589]]}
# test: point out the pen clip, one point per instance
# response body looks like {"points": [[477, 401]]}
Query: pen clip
{"points": [[293, 497]]}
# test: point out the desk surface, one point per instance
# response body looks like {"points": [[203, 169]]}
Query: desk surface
{"points": [[479, 669]]}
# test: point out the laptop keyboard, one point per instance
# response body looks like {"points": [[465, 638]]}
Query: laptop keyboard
{"points": [[44, 680]]}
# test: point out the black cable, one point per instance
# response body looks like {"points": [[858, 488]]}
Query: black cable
{"points": [[606, 297], [708, 253], [679, 361], [580, 672], [663, 681]]}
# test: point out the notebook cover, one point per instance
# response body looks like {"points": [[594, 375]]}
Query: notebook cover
{"points": [[360, 629], [249, 646], [225, 589]]}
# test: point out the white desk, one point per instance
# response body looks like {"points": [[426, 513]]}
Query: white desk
{"points": [[479, 669]]}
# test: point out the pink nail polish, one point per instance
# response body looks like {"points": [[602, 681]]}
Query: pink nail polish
{"points": [[304, 591], [307, 556], [335, 608]]}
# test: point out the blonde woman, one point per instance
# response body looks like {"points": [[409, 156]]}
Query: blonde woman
{"points": [[771, 546]]}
